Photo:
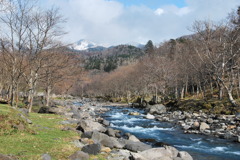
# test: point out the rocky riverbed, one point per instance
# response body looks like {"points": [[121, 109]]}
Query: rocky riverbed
{"points": [[98, 138], [222, 126]]}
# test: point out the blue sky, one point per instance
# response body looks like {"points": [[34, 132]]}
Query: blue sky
{"points": [[153, 4], [112, 22]]}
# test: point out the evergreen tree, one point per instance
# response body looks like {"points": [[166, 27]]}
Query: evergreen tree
{"points": [[149, 48]]}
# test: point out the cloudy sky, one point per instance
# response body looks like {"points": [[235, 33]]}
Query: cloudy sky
{"points": [[112, 22]]}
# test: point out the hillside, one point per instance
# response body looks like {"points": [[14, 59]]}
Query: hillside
{"points": [[113, 57]]}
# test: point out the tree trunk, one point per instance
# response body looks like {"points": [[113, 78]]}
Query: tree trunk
{"points": [[231, 99], [182, 93], [48, 91], [220, 92], [176, 92], [12, 96]]}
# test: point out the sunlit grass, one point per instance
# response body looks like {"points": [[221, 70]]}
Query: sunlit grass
{"points": [[46, 138]]}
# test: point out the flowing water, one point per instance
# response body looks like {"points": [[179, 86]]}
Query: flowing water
{"points": [[199, 146]]}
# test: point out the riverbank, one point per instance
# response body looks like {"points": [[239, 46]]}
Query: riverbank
{"points": [[97, 138]]}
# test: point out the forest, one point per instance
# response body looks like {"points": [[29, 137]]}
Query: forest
{"points": [[203, 65]]}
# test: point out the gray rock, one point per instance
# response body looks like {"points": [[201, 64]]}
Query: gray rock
{"points": [[79, 155], [185, 156], [160, 153], [87, 135], [46, 157], [51, 110], [157, 109], [89, 125], [92, 148], [78, 144], [111, 132], [24, 111], [98, 137], [172, 150], [26, 119], [111, 143], [106, 123], [204, 126], [136, 146], [228, 135], [69, 122], [133, 138], [137, 156]]}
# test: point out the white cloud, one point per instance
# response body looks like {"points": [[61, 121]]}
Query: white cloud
{"points": [[159, 11], [110, 22]]}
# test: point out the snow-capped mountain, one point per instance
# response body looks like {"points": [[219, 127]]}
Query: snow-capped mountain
{"points": [[85, 45], [135, 44]]}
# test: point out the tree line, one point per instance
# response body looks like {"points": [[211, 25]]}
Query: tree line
{"points": [[32, 57], [205, 64]]}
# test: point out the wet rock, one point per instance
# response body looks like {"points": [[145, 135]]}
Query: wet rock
{"points": [[228, 135], [149, 116], [204, 126], [79, 155], [136, 146], [92, 149], [134, 113], [184, 155]]}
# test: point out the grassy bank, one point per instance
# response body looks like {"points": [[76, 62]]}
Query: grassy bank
{"points": [[31, 141]]}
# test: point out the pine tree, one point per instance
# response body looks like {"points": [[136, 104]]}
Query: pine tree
{"points": [[149, 48]]}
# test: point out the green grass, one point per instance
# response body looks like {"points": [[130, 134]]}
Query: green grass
{"points": [[46, 138]]}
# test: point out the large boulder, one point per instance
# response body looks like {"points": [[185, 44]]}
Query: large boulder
{"points": [[133, 138], [105, 140], [89, 125], [92, 148], [136, 146], [111, 143], [52, 110], [157, 109], [160, 153], [111, 132], [185, 156], [79, 155]]}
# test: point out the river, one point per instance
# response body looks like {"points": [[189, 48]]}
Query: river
{"points": [[199, 146]]}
